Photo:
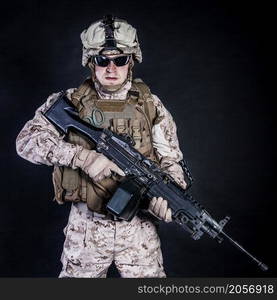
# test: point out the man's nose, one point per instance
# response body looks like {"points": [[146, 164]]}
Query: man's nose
{"points": [[111, 66]]}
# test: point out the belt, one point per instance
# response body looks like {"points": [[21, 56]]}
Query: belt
{"points": [[81, 206]]}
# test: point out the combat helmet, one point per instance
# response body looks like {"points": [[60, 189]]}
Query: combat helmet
{"points": [[110, 34]]}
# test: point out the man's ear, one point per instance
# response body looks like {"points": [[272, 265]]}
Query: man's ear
{"points": [[91, 66]]}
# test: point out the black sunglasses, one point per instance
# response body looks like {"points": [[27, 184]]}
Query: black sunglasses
{"points": [[103, 61]]}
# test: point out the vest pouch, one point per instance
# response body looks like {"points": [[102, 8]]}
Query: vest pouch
{"points": [[136, 132], [141, 131], [70, 185], [66, 183], [119, 126], [146, 147]]}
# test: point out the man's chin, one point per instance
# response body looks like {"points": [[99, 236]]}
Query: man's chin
{"points": [[112, 87]]}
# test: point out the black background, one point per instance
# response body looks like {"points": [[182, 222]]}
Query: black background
{"points": [[211, 64]]}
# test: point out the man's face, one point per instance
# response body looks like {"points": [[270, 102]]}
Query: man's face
{"points": [[111, 75]]}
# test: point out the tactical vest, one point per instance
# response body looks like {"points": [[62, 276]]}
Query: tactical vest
{"points": [[134, 116]]}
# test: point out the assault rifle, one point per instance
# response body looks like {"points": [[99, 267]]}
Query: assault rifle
{"points": [[144, 178]]}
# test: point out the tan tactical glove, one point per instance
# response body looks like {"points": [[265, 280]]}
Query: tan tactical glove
{"points": [[158, 207], [96, 165]]}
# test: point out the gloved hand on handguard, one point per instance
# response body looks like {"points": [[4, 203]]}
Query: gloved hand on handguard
{"points": [[96, 165], [159, 208]]}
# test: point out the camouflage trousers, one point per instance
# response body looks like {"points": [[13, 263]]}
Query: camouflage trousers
{"points": [[93, 242]]}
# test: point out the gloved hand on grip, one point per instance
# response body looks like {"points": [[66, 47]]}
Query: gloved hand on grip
{"points": [[159, 208], [96, 165]]}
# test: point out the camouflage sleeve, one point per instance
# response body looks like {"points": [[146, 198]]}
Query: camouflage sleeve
{"points": [[40, 143], [166, 144]]}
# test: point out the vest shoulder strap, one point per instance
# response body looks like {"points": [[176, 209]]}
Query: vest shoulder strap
{"points": [[147, 97], [82, 91]]}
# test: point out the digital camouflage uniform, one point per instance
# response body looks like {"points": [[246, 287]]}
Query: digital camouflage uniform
{"points": [[94, 240]]}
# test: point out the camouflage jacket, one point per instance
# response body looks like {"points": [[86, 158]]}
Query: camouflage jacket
{"points": [[40, 143]]}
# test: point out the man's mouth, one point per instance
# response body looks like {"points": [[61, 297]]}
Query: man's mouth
{"points": [[111, 78]]}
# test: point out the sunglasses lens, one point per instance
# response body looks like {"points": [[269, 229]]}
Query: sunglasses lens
{"points": [[121, 60], [101, 61]]}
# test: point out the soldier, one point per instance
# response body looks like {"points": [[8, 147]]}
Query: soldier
{"points": [[109, 98]]}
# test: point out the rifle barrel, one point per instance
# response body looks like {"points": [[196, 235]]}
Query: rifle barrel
{"points": [[263, 266]]}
